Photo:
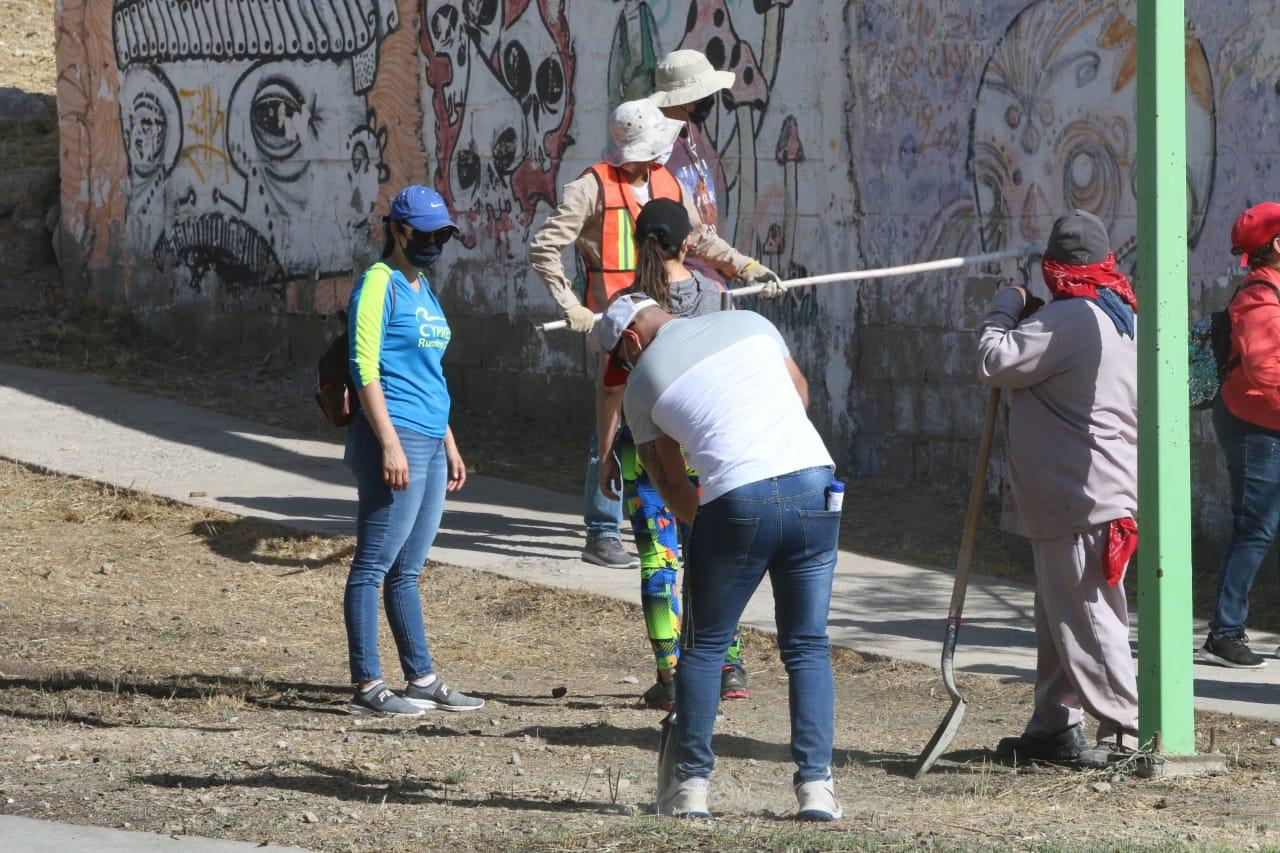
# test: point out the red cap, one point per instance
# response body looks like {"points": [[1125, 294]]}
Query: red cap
{"points": [[1255, 228]]}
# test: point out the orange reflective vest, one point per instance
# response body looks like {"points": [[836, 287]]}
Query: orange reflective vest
{"points": [[617, 238]]}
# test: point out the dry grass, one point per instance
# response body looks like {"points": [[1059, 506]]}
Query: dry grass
{"points": [[176, 669]]}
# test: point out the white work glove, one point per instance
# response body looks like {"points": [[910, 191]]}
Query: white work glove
{"points": [[756, 273], [580, 318]]}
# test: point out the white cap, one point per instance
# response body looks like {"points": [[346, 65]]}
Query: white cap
{"points": [[640, 133], [685, 77], [620, 314]]}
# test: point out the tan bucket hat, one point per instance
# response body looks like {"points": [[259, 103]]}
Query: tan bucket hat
{"points": [[686, 76]]}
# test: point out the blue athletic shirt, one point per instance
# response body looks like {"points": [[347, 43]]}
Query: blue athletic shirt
{"points": [[400, 342]]}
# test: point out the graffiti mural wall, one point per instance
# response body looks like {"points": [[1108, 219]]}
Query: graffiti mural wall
{"points": [[226, 164]]}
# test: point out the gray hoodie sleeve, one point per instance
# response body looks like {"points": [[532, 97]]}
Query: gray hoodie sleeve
{"points": [[1013, 355]]}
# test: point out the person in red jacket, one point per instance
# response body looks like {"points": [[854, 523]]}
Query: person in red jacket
{"points": [[1246, 418]]}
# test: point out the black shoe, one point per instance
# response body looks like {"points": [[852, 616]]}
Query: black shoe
{"points": [[661, 696], [1105, 755], [1061, 748], [1229, 651]]}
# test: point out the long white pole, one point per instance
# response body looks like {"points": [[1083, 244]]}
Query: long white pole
{"points": [[862, 275]]}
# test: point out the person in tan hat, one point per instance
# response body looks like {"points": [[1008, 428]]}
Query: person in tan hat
{"points": [[597, 216], [686, 88]]}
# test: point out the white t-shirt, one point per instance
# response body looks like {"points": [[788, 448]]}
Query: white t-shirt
{"points": [[719, 386]]}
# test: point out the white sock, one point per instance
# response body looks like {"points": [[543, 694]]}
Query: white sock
{"points": [[424, 681]]}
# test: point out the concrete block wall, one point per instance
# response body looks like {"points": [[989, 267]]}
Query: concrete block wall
{"points": [[225, 174]]}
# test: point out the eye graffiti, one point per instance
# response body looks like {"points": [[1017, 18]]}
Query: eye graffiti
{"points": [[276, 117], [254, 153]]}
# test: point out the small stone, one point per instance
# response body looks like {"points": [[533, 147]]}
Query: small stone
{"points": [[282, 744], [351, 813], [514, 759], [628, 679], [395, 744], [33, 758], [235, 670], [558, 692], [493, 722], [1275, 741], [753, 762], [199, 494], [508, 676], [106, 568], [1101, 787], [230, 587], [349, 739], [519, 771], [310, 817]]}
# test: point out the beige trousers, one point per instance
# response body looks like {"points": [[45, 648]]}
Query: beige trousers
{"points": [[1083, 661]]}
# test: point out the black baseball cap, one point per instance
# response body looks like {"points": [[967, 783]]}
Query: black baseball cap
{"points": [[665, 219], [1079, 238]]}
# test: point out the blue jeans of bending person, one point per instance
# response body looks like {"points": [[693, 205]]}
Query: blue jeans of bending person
{"points": [[602, 516], [779, 527], [394, 533], [1253, 467]]}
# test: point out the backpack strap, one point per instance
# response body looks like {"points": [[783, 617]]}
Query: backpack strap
{"points": [[1234, 361]]}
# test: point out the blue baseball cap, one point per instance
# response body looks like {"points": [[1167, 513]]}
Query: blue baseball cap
{"points": [[421, 208]]}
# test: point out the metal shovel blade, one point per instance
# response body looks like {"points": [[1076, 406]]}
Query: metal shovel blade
{"points": [[941, 739], [666, 757]]}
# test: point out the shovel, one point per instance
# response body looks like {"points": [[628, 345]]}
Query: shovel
{"points": [[951, 722]]}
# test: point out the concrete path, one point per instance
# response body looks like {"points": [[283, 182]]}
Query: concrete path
{"points": [[42, 836], [89, 429]]}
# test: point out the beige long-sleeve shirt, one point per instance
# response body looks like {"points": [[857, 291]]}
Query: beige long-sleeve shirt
{"points": [[579, 221], [1072, 384]]}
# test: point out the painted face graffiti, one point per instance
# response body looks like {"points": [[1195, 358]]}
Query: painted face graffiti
{"points": [[497, 164], [252, 159], [1052, 126]]}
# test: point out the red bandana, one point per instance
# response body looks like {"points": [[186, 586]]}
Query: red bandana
{"points": [[1068, 280]]}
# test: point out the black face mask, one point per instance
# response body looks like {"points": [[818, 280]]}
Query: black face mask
{"points": [[701, 111], [423, 249]]}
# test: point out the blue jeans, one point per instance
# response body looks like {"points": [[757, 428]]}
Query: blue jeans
{"points": [[779, 526], [1253, 466], [601, 515], [394, 532]]}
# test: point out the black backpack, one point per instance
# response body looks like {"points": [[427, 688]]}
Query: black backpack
{"points": [[1209, 345]]}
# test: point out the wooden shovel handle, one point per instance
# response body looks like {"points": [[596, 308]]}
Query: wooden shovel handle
{"points": [[974, 515]]}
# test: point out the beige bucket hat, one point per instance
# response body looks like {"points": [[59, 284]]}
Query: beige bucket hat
{"points": [[640, 133], [686, 76]]}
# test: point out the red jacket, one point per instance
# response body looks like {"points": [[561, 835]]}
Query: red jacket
{"points": [[1251, 391]]}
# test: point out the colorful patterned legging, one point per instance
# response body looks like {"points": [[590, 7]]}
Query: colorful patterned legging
{"points": [[658, 537]]}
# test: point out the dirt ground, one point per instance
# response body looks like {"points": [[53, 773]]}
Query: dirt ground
{"points": [[174, 669]]}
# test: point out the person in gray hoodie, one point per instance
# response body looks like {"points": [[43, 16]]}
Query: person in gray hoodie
{"points": [[1070, 370]]}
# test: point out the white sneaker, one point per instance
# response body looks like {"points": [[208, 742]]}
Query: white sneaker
{"points": [[817, 800], [686, 798]]}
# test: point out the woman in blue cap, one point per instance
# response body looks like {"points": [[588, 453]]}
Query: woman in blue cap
{"points": [[403, 454]]}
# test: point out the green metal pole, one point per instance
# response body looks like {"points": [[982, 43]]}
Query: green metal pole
{"points": [[1165, 687]]}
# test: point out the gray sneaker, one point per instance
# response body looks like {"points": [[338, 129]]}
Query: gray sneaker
{"points": [[438, 696], [380, 699], [608, 552]]}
